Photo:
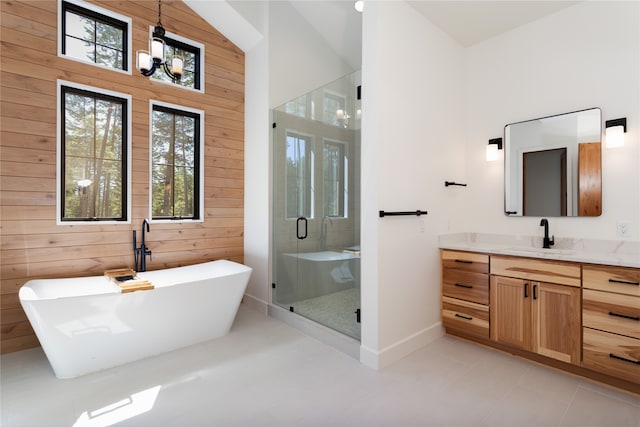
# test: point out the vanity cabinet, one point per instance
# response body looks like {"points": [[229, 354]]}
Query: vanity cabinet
{"points": [[465, 292], [611, 320], [534, 315], [577, 317]]}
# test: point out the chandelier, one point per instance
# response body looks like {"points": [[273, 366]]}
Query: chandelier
{"points": [[148, 61]]}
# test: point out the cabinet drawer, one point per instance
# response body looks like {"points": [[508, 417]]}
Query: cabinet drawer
{"points": [[621, 280], [611, 312], [563, 273], [612, 354], [467, 261], [466, 317], [466, 285]]}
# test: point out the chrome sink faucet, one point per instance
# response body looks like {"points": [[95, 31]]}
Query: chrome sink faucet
{"points": [[140, 253], [546, 241]]}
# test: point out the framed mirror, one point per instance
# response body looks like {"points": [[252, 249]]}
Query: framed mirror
{"points": [[553, 165]]}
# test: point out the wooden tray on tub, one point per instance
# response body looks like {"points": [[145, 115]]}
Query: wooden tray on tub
{"points": [[127, 280]]}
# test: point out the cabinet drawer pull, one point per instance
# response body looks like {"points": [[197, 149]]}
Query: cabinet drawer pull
{"points": [[624, 282], [535, 291], [464, 261], [613, 356], [611, 313], [463, 286], [464, 317], [526, 290]]}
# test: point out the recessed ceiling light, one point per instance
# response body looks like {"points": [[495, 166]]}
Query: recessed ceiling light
{"points": [[359, 5]]}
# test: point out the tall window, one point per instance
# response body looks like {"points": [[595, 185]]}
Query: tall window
{"points": [[175, 163], [93, 155], [334, 167], [299, 175], [95, 37], [191, 54]]}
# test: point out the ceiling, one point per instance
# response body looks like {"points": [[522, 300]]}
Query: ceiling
{"points": [[468, 22]]}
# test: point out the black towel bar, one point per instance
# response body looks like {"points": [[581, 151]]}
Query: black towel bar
{"points": [[448, 183], [417, 213]]}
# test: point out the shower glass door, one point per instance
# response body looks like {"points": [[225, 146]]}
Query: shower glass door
{"points": [[316, 205]]}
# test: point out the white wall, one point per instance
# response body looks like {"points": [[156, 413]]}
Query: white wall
{"points": [[587, 55], [257, 171], [411, 108], [300, 60]]}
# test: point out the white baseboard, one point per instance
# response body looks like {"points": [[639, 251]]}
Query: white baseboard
{"points": [[390, 354], [255, 304]]}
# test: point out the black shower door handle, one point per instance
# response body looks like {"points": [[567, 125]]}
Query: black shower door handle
{"points": [[304, 221]]}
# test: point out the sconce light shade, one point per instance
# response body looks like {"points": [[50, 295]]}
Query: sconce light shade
{"points": [[492, 148], [614, 132]]}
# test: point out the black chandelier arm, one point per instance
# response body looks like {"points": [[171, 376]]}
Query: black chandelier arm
{"points": [[167, 70], [157, 65], [149, 72]]}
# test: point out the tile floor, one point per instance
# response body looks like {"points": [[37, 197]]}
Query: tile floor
{"points": [[264, 373]]}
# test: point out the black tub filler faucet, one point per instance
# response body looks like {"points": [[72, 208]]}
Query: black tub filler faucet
{"points": [[140, 253]]}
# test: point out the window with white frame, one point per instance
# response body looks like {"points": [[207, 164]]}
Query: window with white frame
{"points": [[92, 34], [93, 160], [335, 172], [176, 162], [299, 175], [298, 107], [333, 105], [191, 53]]}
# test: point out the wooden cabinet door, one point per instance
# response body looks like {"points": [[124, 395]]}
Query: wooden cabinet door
{"points": [[510, 310], [556, 321]]}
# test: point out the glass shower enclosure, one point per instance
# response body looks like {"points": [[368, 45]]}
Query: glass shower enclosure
{"points": [[316, 205]]}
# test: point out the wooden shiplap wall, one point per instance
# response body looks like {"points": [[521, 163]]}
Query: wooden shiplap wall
{"points": [[32, 245]]}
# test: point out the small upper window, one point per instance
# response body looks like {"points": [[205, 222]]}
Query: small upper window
{"points": [[298, 107], [334, 110], [191, 54], [94, 35]]}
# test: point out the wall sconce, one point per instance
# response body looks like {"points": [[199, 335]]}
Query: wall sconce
{"points": [[494, 145], [614, 132], [147, 62]]}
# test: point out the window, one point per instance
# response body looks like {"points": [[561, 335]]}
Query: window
{"points": [[297, 107], [191, 54], [332, 102], [335, 169], [94, 35], [299, 175], [93, 147], [175, 162]]}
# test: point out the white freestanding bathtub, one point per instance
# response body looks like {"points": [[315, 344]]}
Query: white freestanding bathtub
{"points": [[85, 324]]}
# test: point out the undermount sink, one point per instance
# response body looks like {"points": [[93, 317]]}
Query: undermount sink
{"points": [[542, 251]]}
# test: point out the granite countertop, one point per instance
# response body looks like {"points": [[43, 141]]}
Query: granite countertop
{"points": [[608, 252]]}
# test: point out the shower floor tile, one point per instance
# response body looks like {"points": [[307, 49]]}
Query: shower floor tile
{"points": [[336, 311]]}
